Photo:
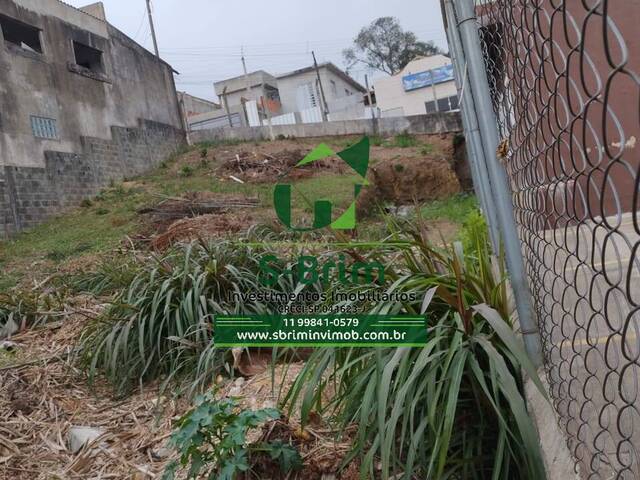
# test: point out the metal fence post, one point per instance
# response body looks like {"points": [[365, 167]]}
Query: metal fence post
{"points": [[481, 95], [481, 182]]}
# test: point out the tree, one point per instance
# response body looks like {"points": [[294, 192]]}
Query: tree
{"points": [[385, 46]]}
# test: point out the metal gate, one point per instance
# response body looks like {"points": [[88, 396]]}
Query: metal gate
{"points": [[550, 92]]}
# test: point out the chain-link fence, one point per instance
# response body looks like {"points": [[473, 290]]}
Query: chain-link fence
{"points": [[563, 78]]}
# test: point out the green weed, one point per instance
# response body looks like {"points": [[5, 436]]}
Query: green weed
{"points": [[405, 140], [454, 408], [212, 441], [186, 171], [455, 209], [160, 324]]}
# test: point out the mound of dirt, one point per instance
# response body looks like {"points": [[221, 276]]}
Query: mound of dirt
{"points": [[260, 167], [193, 204], [407, 181], [201, 227]]}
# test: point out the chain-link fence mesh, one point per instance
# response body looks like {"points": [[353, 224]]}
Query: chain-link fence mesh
{"points": [[566, 93]]}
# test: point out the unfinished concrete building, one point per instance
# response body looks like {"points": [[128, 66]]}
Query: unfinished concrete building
{"points": [[81, 105]]}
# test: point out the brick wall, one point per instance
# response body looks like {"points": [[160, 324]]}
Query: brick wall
{"points": [[28, 196]]}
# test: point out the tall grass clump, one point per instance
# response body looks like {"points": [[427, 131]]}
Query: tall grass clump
{"points": [[110, 275], [160, 324], [22, 308], [454, 408]]}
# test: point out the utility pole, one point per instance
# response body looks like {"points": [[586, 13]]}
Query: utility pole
{"points": [[369, 96], [325, 107], [266, 110], [374, 117], [153, 29], [246, 75], [226, 106], [433, 89], [248, 86], [185, 120]]}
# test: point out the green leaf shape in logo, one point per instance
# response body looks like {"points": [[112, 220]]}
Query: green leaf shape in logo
{"points": [[357, 157]]}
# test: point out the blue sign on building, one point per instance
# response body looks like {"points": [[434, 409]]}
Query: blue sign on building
{"points": [[428, 78]]}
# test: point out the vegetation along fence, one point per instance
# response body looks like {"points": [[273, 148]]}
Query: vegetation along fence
{"points": [[551, 104]]}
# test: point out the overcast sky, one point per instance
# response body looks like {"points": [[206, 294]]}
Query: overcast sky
{"points": [[202, 39]]}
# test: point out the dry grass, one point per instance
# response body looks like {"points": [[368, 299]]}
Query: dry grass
{"points": [[43, 395]]}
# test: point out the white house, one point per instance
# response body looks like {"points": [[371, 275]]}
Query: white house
{"points": [[294, 97], [300, 91], [425, 85]]}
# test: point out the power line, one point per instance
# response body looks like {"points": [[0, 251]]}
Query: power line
{"points": [[307, 44], [144, 15]]}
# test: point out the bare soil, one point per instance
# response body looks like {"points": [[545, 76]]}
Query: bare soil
{"points": [[409, 181], [43, 395], [262, 167]]}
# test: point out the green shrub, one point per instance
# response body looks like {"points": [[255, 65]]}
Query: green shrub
{"points": [[112, 274], [426, 149], [160, 324], [186, 171], [455, 208], [376, 140], [212, 440], [405, 140], [474, 234], [454, 408]]}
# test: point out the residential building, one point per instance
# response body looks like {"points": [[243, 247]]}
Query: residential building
{"points": [[253, 86], [195, 106], [425, 85], [81, 104], [288, 98], [300, 91]]}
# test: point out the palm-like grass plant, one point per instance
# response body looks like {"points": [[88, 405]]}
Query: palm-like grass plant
{"points": [[454, 408], [161, 324]]}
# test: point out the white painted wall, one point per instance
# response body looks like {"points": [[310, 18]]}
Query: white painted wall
{"points": [[335, 89], [392, 97]]}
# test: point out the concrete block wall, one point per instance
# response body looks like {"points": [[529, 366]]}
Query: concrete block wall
{"points": [[29, 196], [418, 124]]}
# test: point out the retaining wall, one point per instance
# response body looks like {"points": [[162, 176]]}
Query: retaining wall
{"points": [[417, 124], [30, 195]]}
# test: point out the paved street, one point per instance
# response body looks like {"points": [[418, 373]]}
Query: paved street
{"points": [[585, 285]]}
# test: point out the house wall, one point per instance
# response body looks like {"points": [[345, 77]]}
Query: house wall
{"points": [[288, 87], [196, 106], [237, 87], [391, 96], [135, 91], [234, 99]]}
